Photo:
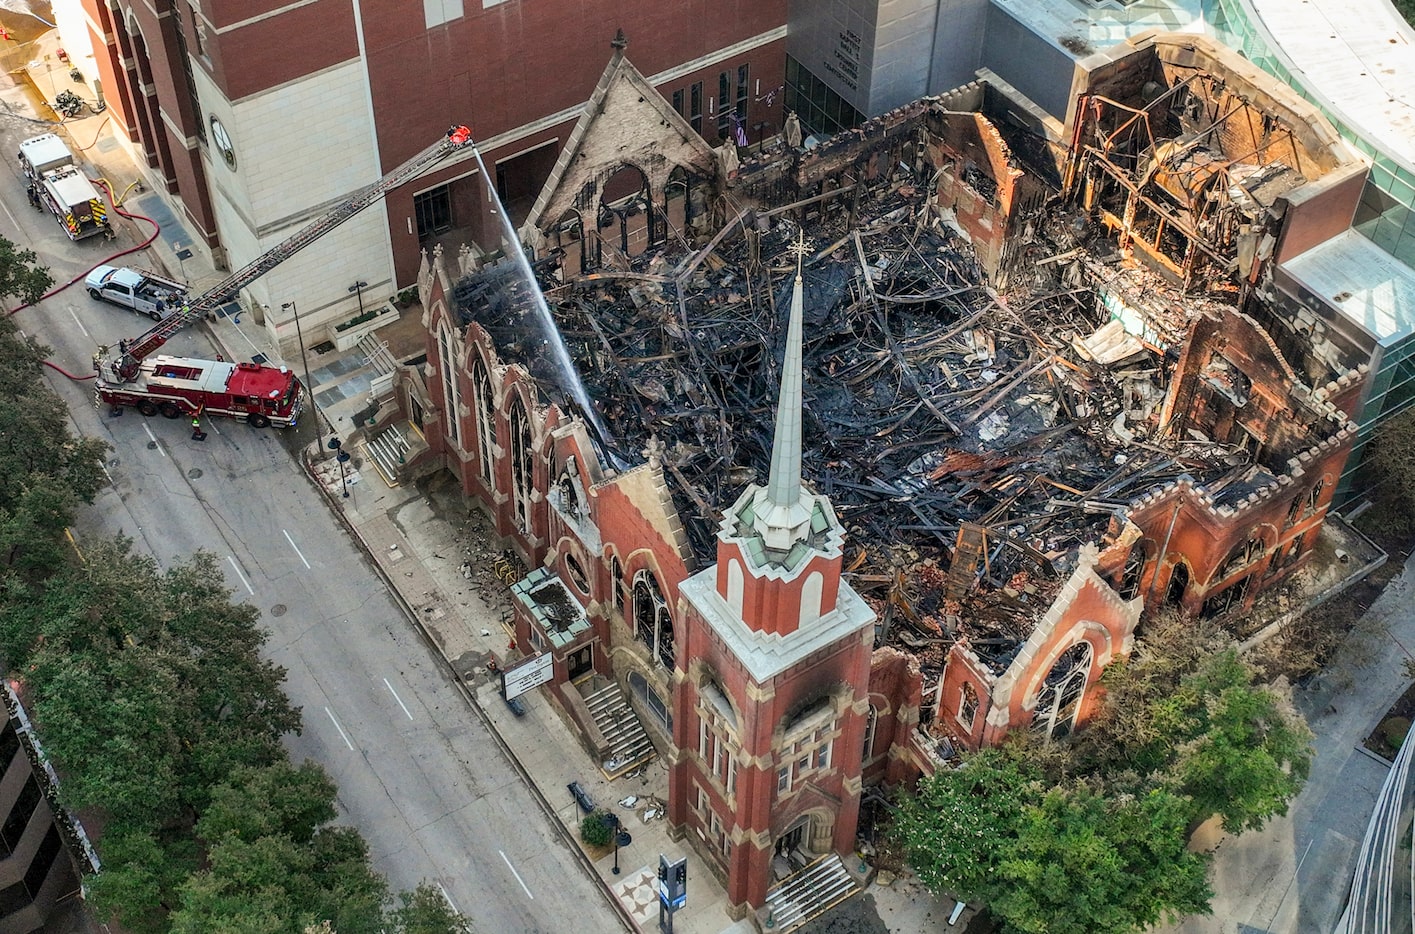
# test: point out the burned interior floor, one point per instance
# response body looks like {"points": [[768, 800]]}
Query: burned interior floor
{"points": [[971, 442]]}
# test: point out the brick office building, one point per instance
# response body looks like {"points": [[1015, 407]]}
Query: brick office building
{"points": [[253, 117]]}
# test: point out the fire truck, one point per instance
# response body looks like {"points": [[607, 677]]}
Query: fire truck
{"points": [[56, 184], [260, 395]]}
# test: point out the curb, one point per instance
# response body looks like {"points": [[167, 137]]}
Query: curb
{"points": [[581, 858]]}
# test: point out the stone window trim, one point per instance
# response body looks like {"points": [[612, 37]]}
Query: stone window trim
{"points": [[652, 622], [719, 749]]}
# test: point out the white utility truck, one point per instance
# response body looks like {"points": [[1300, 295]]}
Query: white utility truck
{"points": [[146, 293]]}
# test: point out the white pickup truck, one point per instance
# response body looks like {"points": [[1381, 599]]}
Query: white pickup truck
{"points": [[146, 293]]}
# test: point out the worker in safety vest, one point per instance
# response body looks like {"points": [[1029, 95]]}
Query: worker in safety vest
{"points": [[197, 433]]}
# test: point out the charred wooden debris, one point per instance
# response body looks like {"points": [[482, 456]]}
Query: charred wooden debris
{"points": [[971, 441]]}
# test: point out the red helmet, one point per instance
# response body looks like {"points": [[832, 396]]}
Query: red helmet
{"points": [[459, 135]]}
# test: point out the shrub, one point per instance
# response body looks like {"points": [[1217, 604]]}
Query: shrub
{"points": [[593, 829]]}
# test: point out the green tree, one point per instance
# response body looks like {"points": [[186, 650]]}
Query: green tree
{"points": [[45, 472], [593, 830], [1186, 713], [1247, 754], [140, 877], [957, 825], [1059, 859], [425, 911], [20, 277], [1082, 863], [157, 671], [275, 865]]}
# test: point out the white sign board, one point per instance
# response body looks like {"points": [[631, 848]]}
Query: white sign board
{"points": [[531, 673]]}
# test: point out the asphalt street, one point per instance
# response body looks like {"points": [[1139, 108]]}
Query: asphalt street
{"points": [[417, 772]]}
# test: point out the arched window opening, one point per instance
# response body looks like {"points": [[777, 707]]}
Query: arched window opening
{"points": [[1241, 556], [968, 706], [616, 572], [522, 464], [652, 624], [451, 392], [667, 655], [570, 240], [1225, 600], [568, 488], [625, 216], [576, 572], [675, 202], [871, 723], [1134, 569], [486, 421], [1059, 700], [1314, 498], [1178, 584]]}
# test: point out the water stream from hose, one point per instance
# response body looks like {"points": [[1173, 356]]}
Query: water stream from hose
{"points": [[569, 376]]}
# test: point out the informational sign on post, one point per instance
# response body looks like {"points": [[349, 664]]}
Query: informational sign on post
{"points": [[531, 673]]}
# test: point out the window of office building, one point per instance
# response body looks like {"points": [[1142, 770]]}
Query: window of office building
{"points": [[819, 108]]}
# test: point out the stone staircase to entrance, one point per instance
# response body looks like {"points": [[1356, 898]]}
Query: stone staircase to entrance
{"points": [[809, 894], [628, 744], [388, 450]]}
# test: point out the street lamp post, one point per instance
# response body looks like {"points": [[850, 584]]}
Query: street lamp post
{"points": [[342, 457], [309, 383], [358, 288]]}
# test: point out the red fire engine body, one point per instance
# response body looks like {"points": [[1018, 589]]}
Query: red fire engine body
{"points": [[176, 386], [261, 395]]}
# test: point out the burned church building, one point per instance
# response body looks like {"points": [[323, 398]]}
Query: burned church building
{"points": [[835, 461]]}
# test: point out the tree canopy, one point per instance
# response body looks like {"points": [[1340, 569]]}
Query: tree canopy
{"points": [[153, 701], [1090, 834]]}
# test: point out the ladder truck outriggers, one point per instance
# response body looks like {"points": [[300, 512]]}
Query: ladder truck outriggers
{"points": [[261, 395]]}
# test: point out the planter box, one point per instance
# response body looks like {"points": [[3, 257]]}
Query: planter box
{"points": [[349, 337]]}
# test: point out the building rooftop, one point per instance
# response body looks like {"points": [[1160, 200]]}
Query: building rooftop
{"points": [[1368, 285], [1358, 58], [1081, 27]]}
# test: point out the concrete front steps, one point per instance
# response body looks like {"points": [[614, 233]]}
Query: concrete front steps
{"points": [[809, 894], [388, 450], [627, 742]]}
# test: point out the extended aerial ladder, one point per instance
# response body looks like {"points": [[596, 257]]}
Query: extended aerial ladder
{"points": [[126, 366]]}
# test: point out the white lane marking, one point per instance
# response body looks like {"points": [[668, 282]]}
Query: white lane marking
{"points": [[450, 903], [237, 568], [154, 438], [517, 875], [79, 323], [16, 224], [398, 699], [339, 728], [296, 547]]}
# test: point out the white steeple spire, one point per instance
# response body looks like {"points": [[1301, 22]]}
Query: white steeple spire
{"points": [[783, 509]]}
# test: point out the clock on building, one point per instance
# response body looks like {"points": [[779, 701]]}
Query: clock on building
{"points": [[222, 139]]}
